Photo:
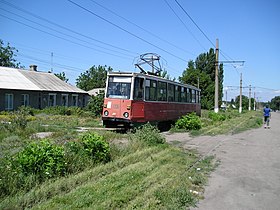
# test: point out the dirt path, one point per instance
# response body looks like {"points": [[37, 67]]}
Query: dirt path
{"points": [[249, 174]]}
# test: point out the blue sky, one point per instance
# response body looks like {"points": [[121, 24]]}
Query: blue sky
{"points": [[115, 33]]}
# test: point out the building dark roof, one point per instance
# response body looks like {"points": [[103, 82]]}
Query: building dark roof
{"points": [[19, 79]]}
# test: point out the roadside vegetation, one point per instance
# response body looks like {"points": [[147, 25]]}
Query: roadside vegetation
{"points": [[92, 169], [76, 168], [224, 122]]}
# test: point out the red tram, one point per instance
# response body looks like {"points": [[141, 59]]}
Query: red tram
{"points": [[135, 98]]}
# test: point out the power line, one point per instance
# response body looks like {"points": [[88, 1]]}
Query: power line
{"points": [[45, 52], [65, 28], [195, 23], [71, 68], [143, 29], [59, 37], [204, 34], [123, 29], [184, 24]]}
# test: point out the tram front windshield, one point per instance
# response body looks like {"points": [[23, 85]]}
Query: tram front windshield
{"points": [[119, 87]]}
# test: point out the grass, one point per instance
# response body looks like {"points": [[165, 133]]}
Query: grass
{"points": [[153, 178], [233, 123], [145, 172]]}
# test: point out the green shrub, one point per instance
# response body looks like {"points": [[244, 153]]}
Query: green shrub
{"points": [[27, 110], [96, 147], [95, 104], [75, 157], [73, 110], [19, 118], [189, 122], [148, 135], [42, 159], [216, 116], [62, 110]]}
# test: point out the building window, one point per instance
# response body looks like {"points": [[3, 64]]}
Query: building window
{"points": [[74, 100], [24, 99], [64, 99], [9, 101], [52, 99]]}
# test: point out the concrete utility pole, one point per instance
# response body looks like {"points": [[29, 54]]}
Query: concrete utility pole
{"points": [[249, 97], [240, 97], [254, 101], [226, 97], [216, 109]]}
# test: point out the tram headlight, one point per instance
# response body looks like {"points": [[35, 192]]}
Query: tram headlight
{"points": [[126, 115], [106, 113]]}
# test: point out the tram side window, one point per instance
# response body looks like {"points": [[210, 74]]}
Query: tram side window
{"points": [[183, 94], [170, 92], [193, 96], [178, 93], [162, 86], [151, 90], [189, 97], [138, 88]]}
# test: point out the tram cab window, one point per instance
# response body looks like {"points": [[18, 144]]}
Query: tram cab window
{"points": [[170, 92], [119, 87], [138, 88], [162, 91]]}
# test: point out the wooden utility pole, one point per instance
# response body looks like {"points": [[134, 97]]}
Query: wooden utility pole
{"points": [[249, 97], [240, 97], [216, 109]]}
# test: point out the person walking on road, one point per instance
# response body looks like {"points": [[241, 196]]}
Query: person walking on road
{"points": [[267, 116]]}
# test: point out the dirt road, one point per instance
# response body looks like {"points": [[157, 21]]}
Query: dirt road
{"points": [[248, 176]]}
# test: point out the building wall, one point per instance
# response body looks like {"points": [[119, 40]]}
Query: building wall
{"points": [[40, 100]]}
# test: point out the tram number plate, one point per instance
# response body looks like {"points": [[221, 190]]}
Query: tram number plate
{"points": [[115, 106]]}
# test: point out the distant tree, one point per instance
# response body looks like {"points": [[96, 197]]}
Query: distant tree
{"points": [[62, 76], [95, 77], [275, 103], [164, 74], [7, 56], [202, 71], [245, 102]]}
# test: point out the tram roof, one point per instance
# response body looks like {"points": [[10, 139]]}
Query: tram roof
{"points": [[134, 74]]}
